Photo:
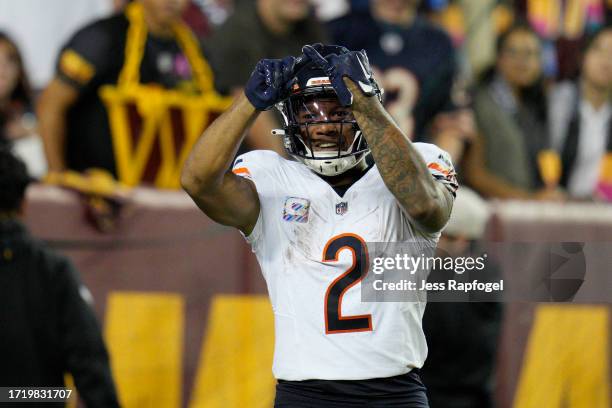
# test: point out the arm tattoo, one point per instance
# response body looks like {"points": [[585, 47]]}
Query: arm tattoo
{"points": [[401, 166]]}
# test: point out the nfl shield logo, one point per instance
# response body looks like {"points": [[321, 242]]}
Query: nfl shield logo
{"points": [[341, 208]]}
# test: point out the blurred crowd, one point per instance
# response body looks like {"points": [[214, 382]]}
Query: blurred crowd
{"points": [[517, 91]]}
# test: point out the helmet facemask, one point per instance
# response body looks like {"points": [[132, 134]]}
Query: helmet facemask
{"points": [[320, 132]]}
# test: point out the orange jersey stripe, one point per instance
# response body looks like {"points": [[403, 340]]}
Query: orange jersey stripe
{"points": [[242, 170], [436, 166]]}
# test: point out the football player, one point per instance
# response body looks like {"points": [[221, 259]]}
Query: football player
{"points": [[356, 178]]}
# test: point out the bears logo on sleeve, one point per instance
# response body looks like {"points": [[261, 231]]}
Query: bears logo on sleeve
{"points": [[241, 170], [443, 171]]}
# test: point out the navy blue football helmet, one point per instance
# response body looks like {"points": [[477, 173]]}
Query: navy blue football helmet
{"points": [[318, 130]]}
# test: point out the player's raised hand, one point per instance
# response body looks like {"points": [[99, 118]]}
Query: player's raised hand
{"points": [[269, 82], [351, 64]]}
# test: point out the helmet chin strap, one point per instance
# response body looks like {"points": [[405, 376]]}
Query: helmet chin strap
{"points": [[332, 167], [328, 163], [335, 166]]}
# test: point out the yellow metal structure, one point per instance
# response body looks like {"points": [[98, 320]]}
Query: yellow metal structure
{"points": [[154, 106]]}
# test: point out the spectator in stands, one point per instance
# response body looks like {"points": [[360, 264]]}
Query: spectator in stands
{"points": [[145, 47], [415, 63], [17, 121], [563, 37], [15, 99], [511, 116], [455, 130], [261, 29], [40, 27], [48, 327], [581, 128]]}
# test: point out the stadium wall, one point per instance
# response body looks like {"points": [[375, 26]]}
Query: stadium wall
{"points": [[187, 322]]}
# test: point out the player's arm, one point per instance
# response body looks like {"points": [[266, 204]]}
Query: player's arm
{"points": [[207, 178], [258, 136], [225, 197], [401, 166]]}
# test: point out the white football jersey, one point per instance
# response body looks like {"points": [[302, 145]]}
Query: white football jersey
{"points": [[306, 240]]}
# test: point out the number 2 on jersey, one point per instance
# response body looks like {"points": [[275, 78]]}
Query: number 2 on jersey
{"points": [[334, 321]]}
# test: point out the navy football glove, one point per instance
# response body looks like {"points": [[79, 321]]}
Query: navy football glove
{"points": [[352, 64], [269, 82]]}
